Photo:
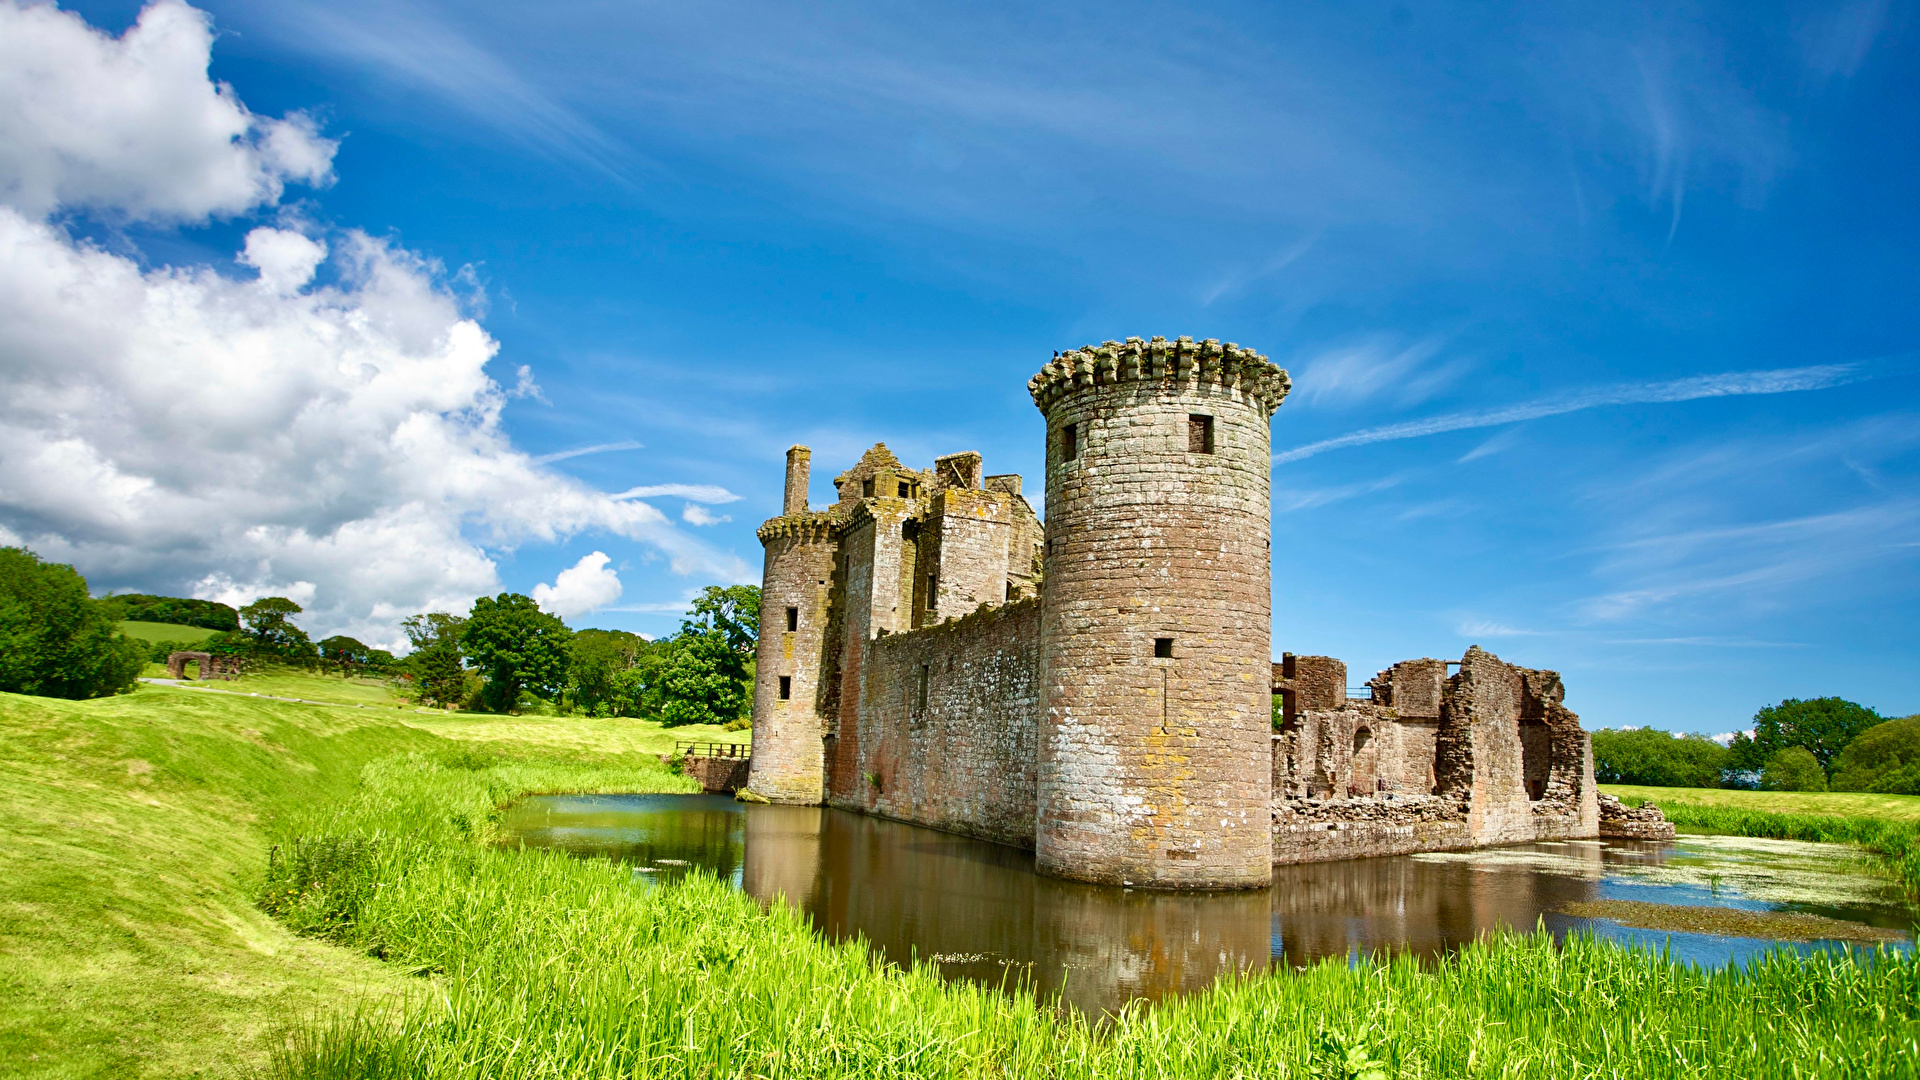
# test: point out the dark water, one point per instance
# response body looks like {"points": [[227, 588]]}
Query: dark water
{"points": [[980, 912]]}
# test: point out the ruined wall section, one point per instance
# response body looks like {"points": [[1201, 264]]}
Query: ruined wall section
{"points": [[867, 576], [1026, 541], [1155, 769], [947, 725], [788, 723]]}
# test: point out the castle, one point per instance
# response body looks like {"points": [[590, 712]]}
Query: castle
{"points": [[1099, 688]]}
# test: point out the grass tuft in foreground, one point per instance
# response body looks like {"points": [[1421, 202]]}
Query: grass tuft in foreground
{"points": [[547, 966]]}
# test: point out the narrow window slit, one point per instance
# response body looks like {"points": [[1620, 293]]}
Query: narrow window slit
{"points": [[1199, 434]]}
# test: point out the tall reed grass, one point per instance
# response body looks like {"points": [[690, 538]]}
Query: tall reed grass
{"points": [[546, 966]]}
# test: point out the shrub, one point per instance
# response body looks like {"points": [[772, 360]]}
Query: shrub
{"points": [[1884, 758], [1657, 759], [1793, 769], [55, 640]]}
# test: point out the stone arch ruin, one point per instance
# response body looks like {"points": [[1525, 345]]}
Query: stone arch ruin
{"points": [[210, 666]]}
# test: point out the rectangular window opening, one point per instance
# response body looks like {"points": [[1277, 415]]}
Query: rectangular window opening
{"points": [[786, 688], [1199, 434], [904, 489], [1069, 442], [1163, 648], [933, 591], [793, 619]]}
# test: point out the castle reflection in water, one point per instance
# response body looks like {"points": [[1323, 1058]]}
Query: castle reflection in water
{"points": [[981, 912]]}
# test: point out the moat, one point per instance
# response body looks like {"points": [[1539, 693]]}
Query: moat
{"points": [[980, 911]]}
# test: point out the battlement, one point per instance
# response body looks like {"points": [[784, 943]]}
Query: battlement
{"points": [[1182, 360], [811, 526]]}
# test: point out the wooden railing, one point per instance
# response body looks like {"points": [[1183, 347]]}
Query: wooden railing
{"points": [[683, 748]]}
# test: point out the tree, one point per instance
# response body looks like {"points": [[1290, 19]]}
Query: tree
{"points": [[1824, 726], [55, 639], [517, 647], [345, 653], [1658, 759], [604, 678], [1793, 769], [708, 675], [733, 612], [1884, 758], [269, 623], [704, 681], [436, 663]]}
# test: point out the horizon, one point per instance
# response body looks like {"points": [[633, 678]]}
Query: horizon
{"points": [[1599, 320]]}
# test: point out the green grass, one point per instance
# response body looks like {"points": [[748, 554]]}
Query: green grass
{"points": [[147, 833], [160, 631], [549, 966], [1842, 803], [137, 834]]}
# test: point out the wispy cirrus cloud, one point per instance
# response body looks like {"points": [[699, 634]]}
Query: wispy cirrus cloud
{"points": [[583, 451], [700, 493], [1693, 388]]}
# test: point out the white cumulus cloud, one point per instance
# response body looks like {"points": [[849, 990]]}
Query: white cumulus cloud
{"points": [[585, 587], [132, 125], [173, 428]]}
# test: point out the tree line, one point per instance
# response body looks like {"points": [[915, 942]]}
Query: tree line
{"points": [[504, 655], [1817, 744]]}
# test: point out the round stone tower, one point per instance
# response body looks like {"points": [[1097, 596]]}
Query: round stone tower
{"points": [[1155, 739], [788, 764]]}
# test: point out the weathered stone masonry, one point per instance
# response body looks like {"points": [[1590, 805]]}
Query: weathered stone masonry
{"points": [[1098, 689]]}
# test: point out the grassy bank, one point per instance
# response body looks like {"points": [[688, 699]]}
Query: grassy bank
{"points": [[1888, 825], [593, 975], [147, 833], [137, 835]]}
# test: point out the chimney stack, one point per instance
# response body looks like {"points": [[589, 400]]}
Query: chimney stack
{"points": [[799, 458]]}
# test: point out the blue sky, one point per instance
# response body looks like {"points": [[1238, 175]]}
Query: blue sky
{"points": [[1601, 318]]}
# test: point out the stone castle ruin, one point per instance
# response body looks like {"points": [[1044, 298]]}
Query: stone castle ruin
{"points": [[1098, 688]]}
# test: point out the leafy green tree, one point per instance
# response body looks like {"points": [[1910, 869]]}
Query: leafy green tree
{"points": [[436, 663], [517, 647], [269, 623], [55, 639], [1824, 726], [1658, 759], [733, 612], [1884, 758], [1793, 769], [708, 676], [603, 679], [704, 682]]}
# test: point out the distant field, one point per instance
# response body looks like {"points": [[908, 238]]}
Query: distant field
{"points": [[1843, 803], [608, 735], [160, 631]]}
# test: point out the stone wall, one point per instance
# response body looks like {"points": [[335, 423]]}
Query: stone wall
{"points": [[945, 729], [716, 774]]}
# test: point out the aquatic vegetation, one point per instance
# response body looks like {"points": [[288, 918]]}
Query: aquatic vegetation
{"points": [[1893, 840], [1735, 922]]}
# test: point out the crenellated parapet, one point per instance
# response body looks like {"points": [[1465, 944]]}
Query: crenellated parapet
{"points": [[811, 527], [1180, 362]]}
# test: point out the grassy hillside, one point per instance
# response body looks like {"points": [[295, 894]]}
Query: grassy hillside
{"points": [[160, 631], [1838, 803], [137, 835]]}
